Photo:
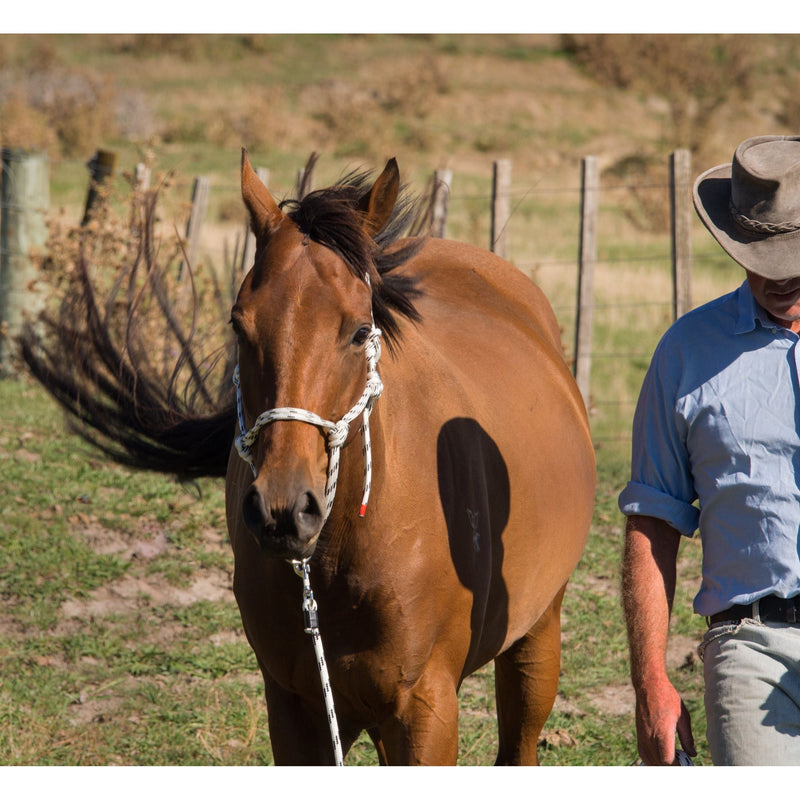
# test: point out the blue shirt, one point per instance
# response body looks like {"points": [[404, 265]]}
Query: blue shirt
{"points": [[716, 447]]}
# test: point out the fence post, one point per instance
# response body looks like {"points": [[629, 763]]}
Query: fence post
{"points": [[681, 213], [140, 184], [101, 166], [501, 201], [195, 223], [24, 202], [590, 185], [442, 181], [141, 177]]}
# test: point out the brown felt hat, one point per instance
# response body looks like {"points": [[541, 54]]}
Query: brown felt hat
{"points": [[752, 205]]}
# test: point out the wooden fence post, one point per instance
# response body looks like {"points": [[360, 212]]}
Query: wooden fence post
{"points": [[442, 181], [140, 184], [141, 177], [501, 206], [680, 178], [101, 167], [24, 202], [195, 223], [590, 185]]}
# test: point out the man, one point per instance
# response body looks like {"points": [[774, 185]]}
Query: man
{"points": [[716, 447]]}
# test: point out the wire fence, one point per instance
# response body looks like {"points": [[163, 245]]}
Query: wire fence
{"points": [[633, 296]]}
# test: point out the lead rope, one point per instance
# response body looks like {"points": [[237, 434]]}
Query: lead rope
{"points": [[311, 627], [337, 433]]}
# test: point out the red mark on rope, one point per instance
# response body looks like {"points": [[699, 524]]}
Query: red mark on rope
{"points": [[362, 510]]}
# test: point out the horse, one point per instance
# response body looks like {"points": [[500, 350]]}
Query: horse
{"points": [[482, 479], [446, 539]]}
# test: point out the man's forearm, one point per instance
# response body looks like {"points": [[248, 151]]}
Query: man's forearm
{"points": [[649, 570], [648, 584]]}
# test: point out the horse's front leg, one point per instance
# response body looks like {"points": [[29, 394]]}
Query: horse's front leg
{"points": [[299, 733], [424, 728]]}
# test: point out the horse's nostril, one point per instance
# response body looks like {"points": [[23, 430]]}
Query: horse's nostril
{"points": [[254, 511], [303, 520], [307, 513]]}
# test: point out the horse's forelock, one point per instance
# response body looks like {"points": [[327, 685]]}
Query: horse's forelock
{"points": [[331, 218]]}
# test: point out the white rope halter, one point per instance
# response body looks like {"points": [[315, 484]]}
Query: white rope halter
{"points": [[337, 432]]}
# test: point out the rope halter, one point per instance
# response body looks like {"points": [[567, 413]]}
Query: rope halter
{"points": [[337, 432]]}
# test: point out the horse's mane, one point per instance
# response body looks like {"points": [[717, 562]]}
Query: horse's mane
{"points": [[331, 217]]}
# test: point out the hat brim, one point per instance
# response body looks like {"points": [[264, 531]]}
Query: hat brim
{"points": [[775, 256]]}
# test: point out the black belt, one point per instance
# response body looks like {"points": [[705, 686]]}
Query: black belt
{"points": [[769, 609]]}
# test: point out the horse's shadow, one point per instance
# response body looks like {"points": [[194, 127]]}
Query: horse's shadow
{"points": [[474, 492]]}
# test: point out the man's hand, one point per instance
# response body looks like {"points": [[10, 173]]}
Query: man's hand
{"points": [[660, 714]]}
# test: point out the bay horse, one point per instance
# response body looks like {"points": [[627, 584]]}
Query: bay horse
{"points": [[482, 478], [441, 542]]}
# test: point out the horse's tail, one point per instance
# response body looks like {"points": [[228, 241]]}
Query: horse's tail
{"points": [[128, 375], [127, 418]]}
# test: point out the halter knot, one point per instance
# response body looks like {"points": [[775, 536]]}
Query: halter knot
{"points": [[337, 435]]}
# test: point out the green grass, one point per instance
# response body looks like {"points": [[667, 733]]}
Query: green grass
{"points": [[158, 677], [120, 642]]}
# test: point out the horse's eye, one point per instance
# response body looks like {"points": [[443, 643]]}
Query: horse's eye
{"points": [[361, 336], [237, 328]]}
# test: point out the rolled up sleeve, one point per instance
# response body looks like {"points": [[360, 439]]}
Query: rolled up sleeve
{"points": [[639, 499], [661, 483]]}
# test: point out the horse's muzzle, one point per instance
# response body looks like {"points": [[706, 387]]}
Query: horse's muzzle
{"points": [[283, 529]]}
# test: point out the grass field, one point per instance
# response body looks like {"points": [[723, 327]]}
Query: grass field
{"points": [[120, 641]]}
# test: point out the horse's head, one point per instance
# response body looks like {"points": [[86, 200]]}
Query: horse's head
{"points": [[304, 323]]}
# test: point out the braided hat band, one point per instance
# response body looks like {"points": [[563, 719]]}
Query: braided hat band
{"points": [[759, 227]]}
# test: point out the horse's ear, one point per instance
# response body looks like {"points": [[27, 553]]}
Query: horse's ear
{"points": [[378, 203], [265, 215]]}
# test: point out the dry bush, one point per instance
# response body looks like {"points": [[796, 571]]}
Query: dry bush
{"points": [[696, 74], [66, 109], [640, 183], [784, 95], [186, 46], [22, 125], [402, 104], [164, 316], [259, 122], [189, 47], [31, 53]]}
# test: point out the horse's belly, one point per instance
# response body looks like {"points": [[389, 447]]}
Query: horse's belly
{"points": [[515, 473]]}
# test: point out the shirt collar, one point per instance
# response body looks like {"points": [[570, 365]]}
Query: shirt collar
{"points": [[750, 312]]}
